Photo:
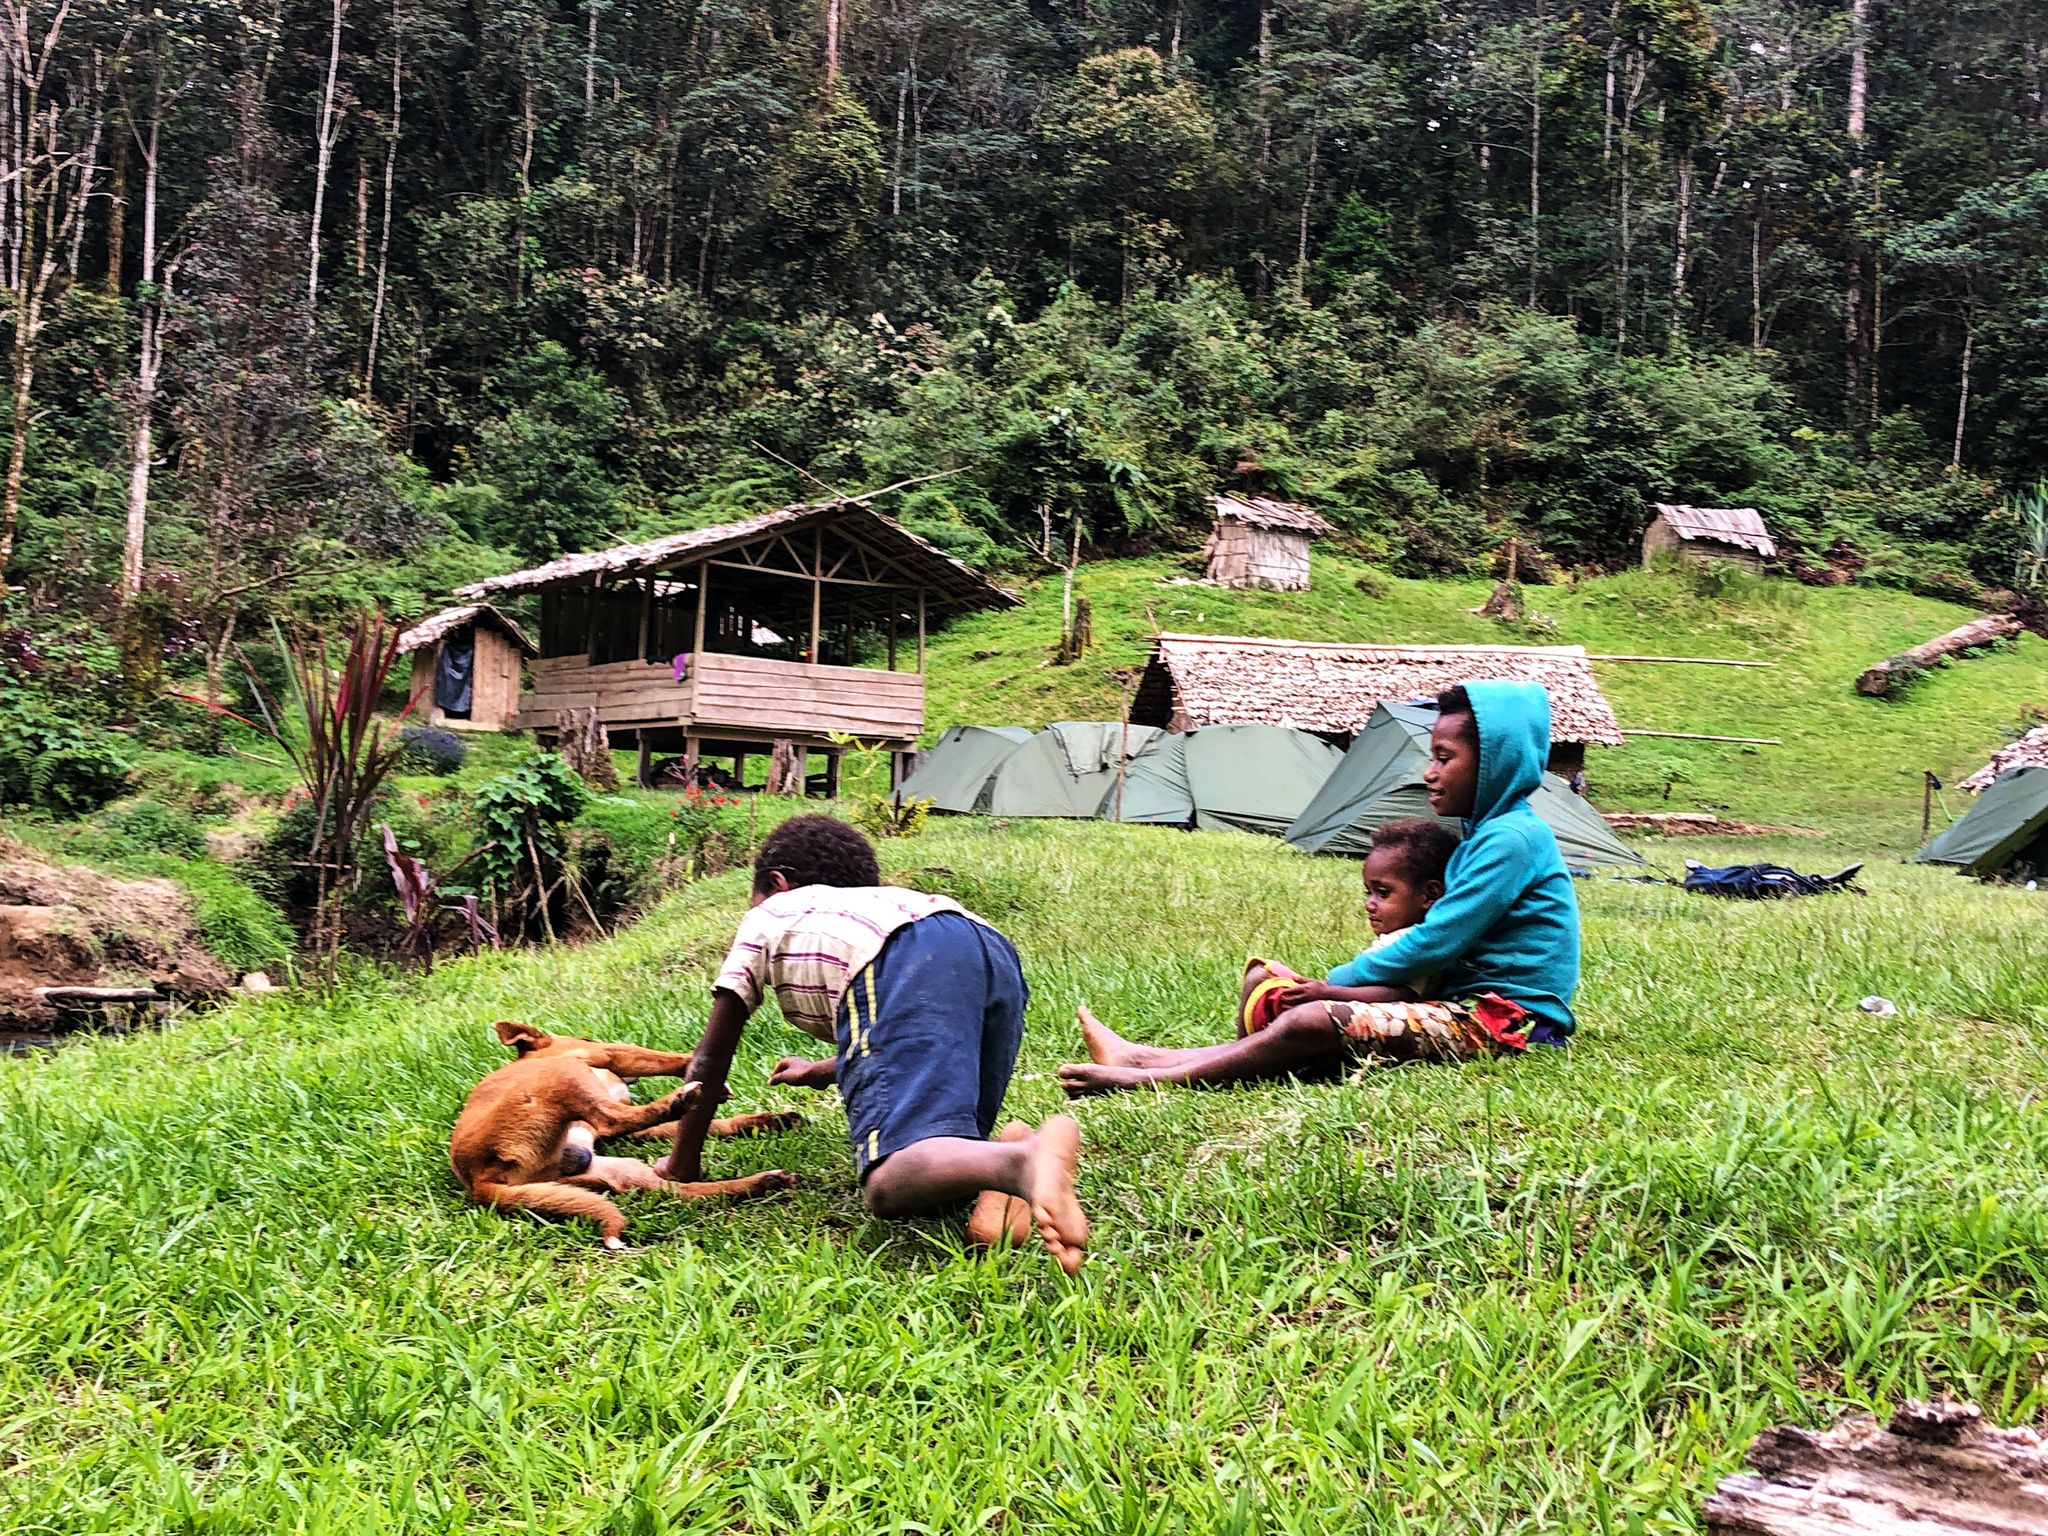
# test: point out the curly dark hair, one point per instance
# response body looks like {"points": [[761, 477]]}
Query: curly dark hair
{"points": [[1456, 701], [1421, 847], [816, 850]]}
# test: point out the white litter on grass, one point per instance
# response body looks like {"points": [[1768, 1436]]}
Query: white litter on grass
{"points": [[1882, 1007]]}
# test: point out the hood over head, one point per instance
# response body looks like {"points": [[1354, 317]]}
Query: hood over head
{"points": [[1514, 743]]}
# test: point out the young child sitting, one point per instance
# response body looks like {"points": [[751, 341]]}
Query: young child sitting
{"points": [[1403, 876], [924, 1005], [1502, 942]]}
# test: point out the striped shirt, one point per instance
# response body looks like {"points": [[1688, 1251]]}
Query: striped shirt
{"points": [[809, 943]]}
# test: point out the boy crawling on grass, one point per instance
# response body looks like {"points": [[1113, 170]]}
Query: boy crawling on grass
{"points": [[924, 1005], [1499, 948]]}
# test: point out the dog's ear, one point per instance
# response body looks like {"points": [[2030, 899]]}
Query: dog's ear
{"points": [[521, 1037]]}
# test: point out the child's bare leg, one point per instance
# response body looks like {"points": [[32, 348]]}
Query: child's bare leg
{"points": [[1254, 973], [1110, 1049], [996, 1215], [1302, 1040], [940, 1171]]}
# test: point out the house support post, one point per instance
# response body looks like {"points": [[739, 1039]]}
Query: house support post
{"points": [[643, 774], [832, 774]]}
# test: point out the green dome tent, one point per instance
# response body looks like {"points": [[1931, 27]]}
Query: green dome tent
{"points": [[1251, 778], [1381, 778], [956, 769], [2007, 827], [1064, 770]]}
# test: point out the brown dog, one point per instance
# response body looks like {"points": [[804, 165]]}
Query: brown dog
{"points": [[527, 1136]]}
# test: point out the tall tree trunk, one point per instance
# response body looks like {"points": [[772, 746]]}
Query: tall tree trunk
{"points": [[117, 215], [590, 67], [896, 160], [1265, 94], [1678, 254], [1308, 192], [148, 354], [831, 45], [1756, 279], [1621, 266], [1955, 458], [1852, 296], [393, 129], [324, 135], [525, 179], [1535, 167]]}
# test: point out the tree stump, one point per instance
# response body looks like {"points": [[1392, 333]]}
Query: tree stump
{"points": [[588, 749], [1938, 1468], [1877, 681], [786, 762]]}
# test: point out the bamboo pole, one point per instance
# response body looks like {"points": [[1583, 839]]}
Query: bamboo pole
{"points": [[1688, 661], [1696, 736]]}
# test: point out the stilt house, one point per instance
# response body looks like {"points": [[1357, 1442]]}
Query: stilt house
{"points": [[466, 665], [791, 626], [1259, 542]]}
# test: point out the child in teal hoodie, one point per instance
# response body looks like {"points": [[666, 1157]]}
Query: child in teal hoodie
{"points": [[1502, 941]]}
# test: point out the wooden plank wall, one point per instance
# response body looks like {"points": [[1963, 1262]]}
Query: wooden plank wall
{"points": [[746, 696], [1243, 556]]}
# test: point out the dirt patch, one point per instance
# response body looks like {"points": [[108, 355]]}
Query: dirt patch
{"points": [[1697, 824], [66, 925]]}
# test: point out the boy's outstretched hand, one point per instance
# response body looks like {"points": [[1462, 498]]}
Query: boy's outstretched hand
{"points": [[801, 1072], [1308, 991]]}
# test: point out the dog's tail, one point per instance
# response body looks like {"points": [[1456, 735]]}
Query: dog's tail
{"points": [[558, 1200]]}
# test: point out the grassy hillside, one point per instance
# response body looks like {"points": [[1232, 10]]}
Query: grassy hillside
{"points": [[243, 1293], [1849, 765]]}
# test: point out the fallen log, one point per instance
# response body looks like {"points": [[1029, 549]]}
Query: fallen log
{"points": [[1938, 1467], [93, 997], [1879, 680]]}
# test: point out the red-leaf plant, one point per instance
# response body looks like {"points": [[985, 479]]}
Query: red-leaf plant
{"points": [[415, 884], [341, 749]]}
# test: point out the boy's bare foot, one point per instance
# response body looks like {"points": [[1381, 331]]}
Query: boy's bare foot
{"points": [[1107, 1047], [997, 1216], [1080, 1079], [1062, 1226]]}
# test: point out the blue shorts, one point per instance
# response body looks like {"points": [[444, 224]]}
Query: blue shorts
{"points": [[928, 1036]]}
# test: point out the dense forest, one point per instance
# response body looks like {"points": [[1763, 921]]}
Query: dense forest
{"points": [[313, 304]]}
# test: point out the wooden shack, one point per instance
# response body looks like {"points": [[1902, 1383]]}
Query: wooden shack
{"points": [[1734, 534], [721, 642], [1332, 689], [1259, 542], [466, 665]]}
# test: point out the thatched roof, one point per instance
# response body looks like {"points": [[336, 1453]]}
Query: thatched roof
{"points": [[952, 586], [1741, 526], [2030, 751], [1264, 512], [427, 631], [1196, 680]]}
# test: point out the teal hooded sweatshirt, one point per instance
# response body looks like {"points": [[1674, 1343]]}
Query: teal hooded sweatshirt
{"points": [[1508, 921]]}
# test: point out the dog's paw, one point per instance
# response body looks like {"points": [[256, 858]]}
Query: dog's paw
{"points": [[776, 1180], [685, 1096]]}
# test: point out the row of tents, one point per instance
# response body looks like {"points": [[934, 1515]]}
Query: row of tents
{"points": [[1250, 778]]}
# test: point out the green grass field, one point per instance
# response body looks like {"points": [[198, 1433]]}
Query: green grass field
{"points": [[1850, 765], [244, 1295]]}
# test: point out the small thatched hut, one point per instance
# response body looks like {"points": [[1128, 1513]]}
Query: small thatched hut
{"points": [[466, 666], [1196, 680], [1259, 542], [1708, 533]]}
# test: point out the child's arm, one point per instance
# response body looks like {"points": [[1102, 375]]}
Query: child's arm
{"points": [[1485, 888], [802, 1072], [709, 1064]]}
